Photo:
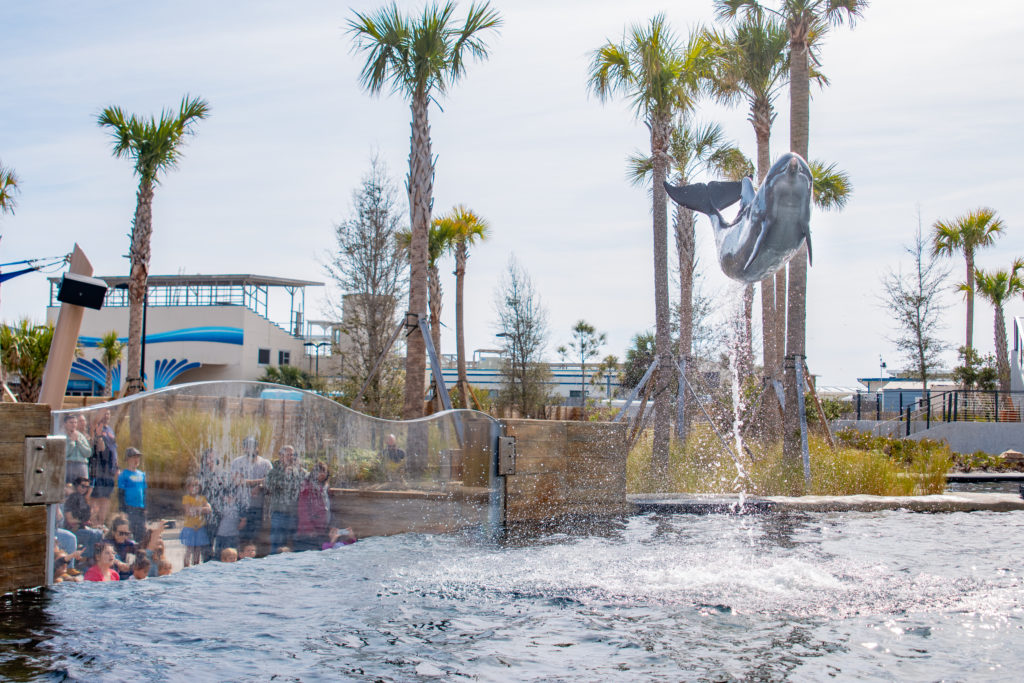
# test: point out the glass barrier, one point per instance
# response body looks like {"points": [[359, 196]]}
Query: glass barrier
{"points": [[219, 470]]}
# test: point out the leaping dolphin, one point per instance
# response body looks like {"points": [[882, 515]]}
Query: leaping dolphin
{"points": [[771, 223]]}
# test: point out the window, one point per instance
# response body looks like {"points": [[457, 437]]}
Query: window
{"points": [[263, 356], [284, 357]]}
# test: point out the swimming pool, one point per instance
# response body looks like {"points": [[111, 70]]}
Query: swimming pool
{"points": [[784, 596]]}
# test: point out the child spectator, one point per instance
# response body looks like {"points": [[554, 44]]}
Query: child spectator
{"points": [[193, 533], [248, 550], [314, 509], [229, 555], [103, 570], [231, 505], [165, 568], [131, 491], [77, 516], [140, 570], [337, 538], [153, 547]]}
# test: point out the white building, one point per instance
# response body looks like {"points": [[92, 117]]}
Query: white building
{"points": [[197, 327]]}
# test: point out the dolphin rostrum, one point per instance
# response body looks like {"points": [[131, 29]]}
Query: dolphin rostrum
{"points": [[771, 223]]}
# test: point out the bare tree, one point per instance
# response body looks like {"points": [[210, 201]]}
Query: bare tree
{"points": [[370, 269], [914, 298], [524, 330]]}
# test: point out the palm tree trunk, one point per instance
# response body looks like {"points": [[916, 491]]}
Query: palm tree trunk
{"points": [[1002, 355], [969, 257], [781, 276], [109, 381], [460, 329], [660, 127], [142, 231], [796, 315], [746, 359], [435, 295], [686, 247], [420, 186]]}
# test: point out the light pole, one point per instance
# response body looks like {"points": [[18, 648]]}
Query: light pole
{"points": [[317, 346]]}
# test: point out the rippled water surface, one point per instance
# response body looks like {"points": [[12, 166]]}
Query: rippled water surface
{"points": [[870, 596]]}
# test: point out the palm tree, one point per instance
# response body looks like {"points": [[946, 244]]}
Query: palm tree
{"points": [[693, 150], [751, 65], [967, 233], [154, 145], [999, 287], [419, 58], [807, 21], [661, 78], [8, 188], [24, 349], [111, 351], [438, 241], [465, 229]]}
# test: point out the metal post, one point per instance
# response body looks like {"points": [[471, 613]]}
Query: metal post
{"points": [[878, 407], [909, 408], [928, 413], [858, 405], [798, 363], [681, 401], [997, 405], [956, 401]]}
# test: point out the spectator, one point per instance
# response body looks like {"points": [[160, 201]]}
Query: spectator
{"points": [[314, 509], [337, 538], [153, 547], [283, 483], [103, 570], [77, 514], [248, 551], [120, 538], [213, 481], [165, 568], [193, 532], [231, 506], [78, 449], [253, 470], [103, 468], [131, 489], [392, 453], [140, 569], [229, 555]]}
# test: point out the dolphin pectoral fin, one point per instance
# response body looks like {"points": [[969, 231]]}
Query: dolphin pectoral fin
{"points": [[724, 194], [757, 246], [693, 197], [810, 255]]}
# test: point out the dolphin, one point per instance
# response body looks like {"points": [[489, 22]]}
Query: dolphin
{"points": [[771, 224]]}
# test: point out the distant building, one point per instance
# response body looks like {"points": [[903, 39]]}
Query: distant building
{"points": [[198, 327]]}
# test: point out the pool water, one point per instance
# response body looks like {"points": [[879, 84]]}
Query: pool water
{"points": [[868, 596]]}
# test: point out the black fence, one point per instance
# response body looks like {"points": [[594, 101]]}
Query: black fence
{"points": [[917, 409]]}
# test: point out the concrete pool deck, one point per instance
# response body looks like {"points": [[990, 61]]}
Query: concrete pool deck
{"points": [[724, 503]]}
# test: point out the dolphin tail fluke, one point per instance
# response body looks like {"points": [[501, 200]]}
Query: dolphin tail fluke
{"points": [[706, 198]]}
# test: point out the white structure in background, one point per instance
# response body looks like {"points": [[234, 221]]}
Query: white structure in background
{"points": [[197, 327]]}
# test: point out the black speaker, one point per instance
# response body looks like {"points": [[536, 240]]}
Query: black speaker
{"points": [[81, 290]]}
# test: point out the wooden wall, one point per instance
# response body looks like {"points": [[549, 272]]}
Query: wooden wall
{"points": [[22, 528], [566, 469]]}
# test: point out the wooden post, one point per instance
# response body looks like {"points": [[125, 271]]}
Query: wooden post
{"points": [[820, 410], [65, 339], [23, 548]]}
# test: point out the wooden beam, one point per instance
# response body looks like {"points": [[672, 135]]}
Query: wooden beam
{"points": [[65, 339]]}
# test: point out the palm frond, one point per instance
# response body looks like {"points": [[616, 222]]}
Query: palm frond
{"points": [[832, 187]]}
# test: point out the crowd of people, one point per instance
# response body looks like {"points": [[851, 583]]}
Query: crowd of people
{"points": [[222, 509]]}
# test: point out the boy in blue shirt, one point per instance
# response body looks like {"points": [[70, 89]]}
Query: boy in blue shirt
{"points": [[131, 487]]}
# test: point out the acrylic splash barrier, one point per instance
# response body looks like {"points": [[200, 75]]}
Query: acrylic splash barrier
{"points": [[232, 464]]}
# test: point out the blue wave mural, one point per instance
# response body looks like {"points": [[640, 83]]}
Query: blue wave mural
{"points": [[214, 335], [97, 372], [166, 369]]}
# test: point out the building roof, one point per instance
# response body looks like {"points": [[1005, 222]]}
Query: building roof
{"points": [[238, 280]]}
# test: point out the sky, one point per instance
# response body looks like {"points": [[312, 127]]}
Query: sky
{"points": [[923, 112]]}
